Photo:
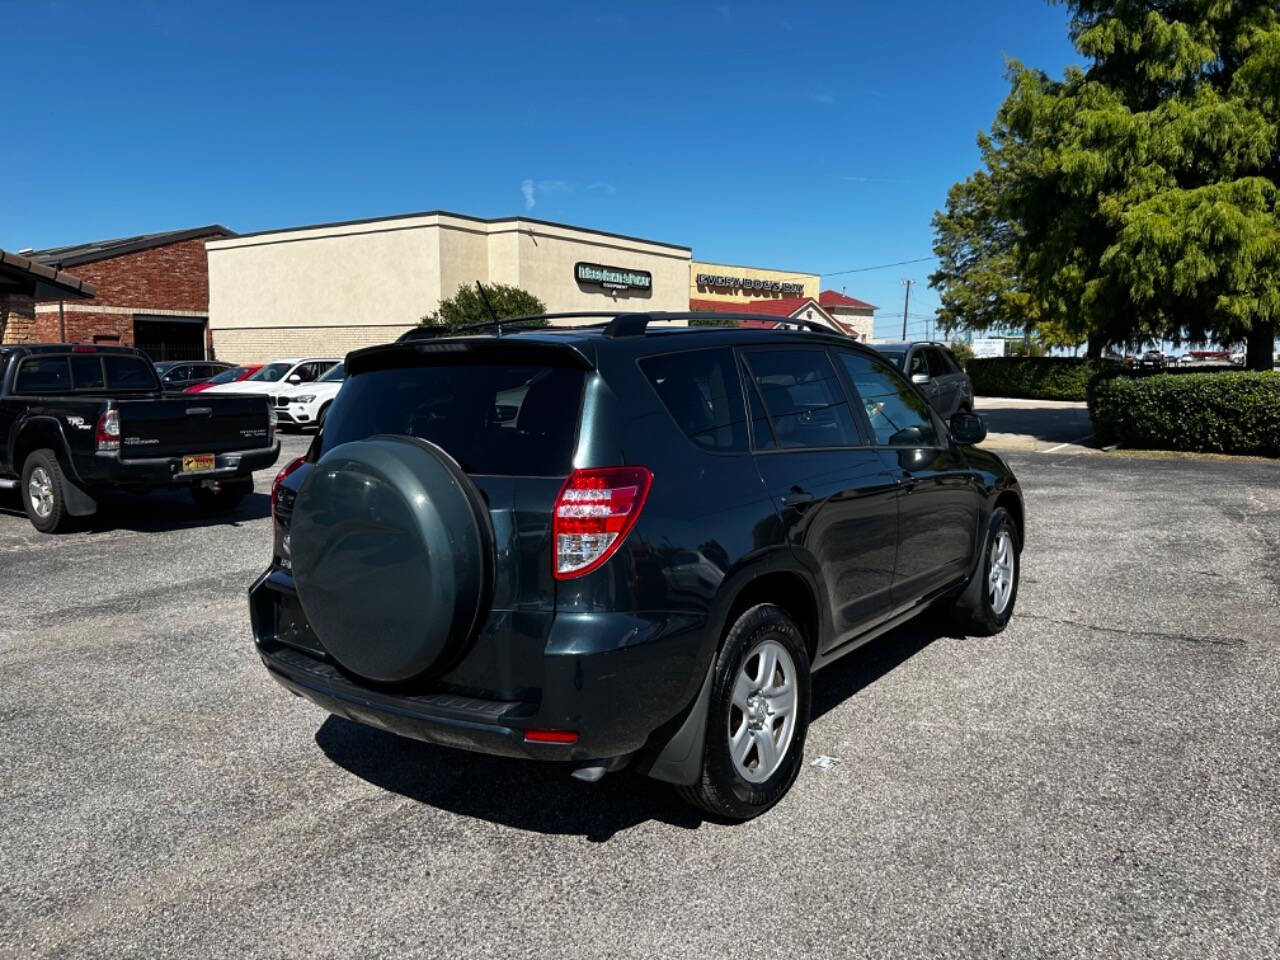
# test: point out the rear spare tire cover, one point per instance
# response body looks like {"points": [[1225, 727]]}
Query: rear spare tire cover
{"points": [[392, 557]]}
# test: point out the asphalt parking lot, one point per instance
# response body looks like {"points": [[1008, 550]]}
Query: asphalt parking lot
{"points": [[1102, 779]]}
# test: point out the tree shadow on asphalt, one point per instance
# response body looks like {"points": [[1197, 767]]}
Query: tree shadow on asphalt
{"points": [[158, 512], [542, 797], [1042, 423]]}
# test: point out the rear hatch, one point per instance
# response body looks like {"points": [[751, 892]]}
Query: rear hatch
{"points": [[507, 412], [192, 424]]}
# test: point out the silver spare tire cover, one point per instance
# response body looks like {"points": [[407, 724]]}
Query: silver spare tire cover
{"points": [[392, 557]]}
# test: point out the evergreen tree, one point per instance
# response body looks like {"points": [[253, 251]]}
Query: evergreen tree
{"points": [[1135, 199]]}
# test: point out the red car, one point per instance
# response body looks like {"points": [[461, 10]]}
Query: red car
{"points": [[234, 375]]}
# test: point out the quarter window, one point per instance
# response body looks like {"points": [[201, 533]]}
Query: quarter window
{"points": [[805, 402], [898, 417], [701, 391]]}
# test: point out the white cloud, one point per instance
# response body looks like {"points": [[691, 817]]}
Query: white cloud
{"points": [[823, 97], [605, 188], [530, 201]]}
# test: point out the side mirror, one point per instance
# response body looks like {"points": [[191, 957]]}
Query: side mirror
{"points": [[968, 429], [920, 378], [294, 378]]}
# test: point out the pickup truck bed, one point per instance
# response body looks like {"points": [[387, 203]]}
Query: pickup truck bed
{"points": [[76, 420]]}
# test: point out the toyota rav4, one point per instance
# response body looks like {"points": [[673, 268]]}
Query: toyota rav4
{"points": [[627, 545]]}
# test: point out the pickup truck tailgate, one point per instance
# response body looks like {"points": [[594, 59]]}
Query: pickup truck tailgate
{"points": [[192, 425]]}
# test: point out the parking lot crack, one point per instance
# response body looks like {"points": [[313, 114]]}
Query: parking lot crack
{"points": [[1156, 634]]}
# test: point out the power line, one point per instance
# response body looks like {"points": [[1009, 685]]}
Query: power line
{"points": [[878, 266]]}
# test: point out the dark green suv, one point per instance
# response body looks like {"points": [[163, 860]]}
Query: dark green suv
{"points": [[625, 545]]}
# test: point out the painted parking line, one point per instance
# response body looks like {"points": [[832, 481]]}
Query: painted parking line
{"points": [[1069, 443]]}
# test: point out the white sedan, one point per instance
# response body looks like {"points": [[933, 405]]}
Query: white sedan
{"points": [[306, 404]]}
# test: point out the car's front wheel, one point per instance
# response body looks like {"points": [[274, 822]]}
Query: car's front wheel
{"points": [[759, 716]]}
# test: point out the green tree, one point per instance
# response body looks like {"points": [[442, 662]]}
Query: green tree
{"points": [[465, 307], [1135, 199]]}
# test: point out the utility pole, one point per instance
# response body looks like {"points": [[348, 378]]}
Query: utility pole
{"points": [[905, 304]]}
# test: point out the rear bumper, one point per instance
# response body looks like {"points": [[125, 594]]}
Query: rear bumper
{"points": [[110, 469], [613, 679]]}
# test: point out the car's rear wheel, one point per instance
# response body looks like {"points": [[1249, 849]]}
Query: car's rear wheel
{"points": [[989, 603], [759, 716], [44, 492]]}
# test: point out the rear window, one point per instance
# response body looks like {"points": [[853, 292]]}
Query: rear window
{"points": [[701, 391], [492, 418], [128, 373], [43, 375]]}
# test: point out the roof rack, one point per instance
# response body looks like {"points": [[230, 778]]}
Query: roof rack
{"points": [[616, 325], [635, 324]]}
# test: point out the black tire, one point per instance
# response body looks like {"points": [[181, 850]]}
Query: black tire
{"points": [[721, 790], [975, 613], [227, 497], [324, 412], [57, 519]]}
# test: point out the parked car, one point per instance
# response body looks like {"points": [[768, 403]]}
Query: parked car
{"points": [[1152, 360], [234, 375], [627, 545], [934, 369], [177, 375], [306, 405], [77, 420], [271, 376]]}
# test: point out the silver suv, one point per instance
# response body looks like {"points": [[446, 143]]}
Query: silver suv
{"points": [[933, 368]]}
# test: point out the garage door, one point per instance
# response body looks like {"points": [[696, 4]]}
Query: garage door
{"points": [[170, 338]]}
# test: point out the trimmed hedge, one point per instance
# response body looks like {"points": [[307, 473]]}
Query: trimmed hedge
{"points": [[1213, 412], [1033, 378]]}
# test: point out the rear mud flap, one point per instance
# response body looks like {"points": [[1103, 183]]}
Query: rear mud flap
{"points": [[680, 760], [79, 502]]}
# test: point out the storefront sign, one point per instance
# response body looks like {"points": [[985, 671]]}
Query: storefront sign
{"points": [[613, 278], [719, 282]]}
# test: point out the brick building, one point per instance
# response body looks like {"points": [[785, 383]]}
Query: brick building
{"points": [[855, 317], [22, 282], [151, 291]]}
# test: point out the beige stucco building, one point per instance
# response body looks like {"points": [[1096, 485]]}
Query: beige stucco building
{"points": [[332, 288]]}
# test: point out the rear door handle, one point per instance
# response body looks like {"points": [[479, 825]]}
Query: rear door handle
{"points": [[797, 498]]}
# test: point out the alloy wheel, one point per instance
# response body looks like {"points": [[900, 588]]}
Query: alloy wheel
{"points": [[762, 715], [1000, 577], [40, 492]]}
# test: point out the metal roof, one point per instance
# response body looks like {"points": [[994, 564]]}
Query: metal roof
{"points": [[79, 253], [25, 275]]}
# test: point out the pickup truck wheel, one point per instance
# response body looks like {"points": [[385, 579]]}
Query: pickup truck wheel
{"points": [[759, 717], [44, 492], [225, 497], [989, 611]]}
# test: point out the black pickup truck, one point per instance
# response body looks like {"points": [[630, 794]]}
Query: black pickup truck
{"points": [[77, 419]]}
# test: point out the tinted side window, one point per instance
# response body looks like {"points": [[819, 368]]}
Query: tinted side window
{"points": [[86, 373], [804, 399], [918, 363], [761, 430], [128, 373], [938, 363], [899, 418], [701, 391], [43, 375]]}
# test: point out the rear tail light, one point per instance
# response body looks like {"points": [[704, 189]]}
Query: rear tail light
{"points": [[108, 432], [289, 467], [594, 512]]}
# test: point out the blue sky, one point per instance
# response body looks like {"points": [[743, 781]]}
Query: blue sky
{"points": [[815, 137]]}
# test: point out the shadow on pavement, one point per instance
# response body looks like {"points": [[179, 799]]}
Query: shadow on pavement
{"points": [[1051, 424], [161, 511], [542, 797], [524, 794]]}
